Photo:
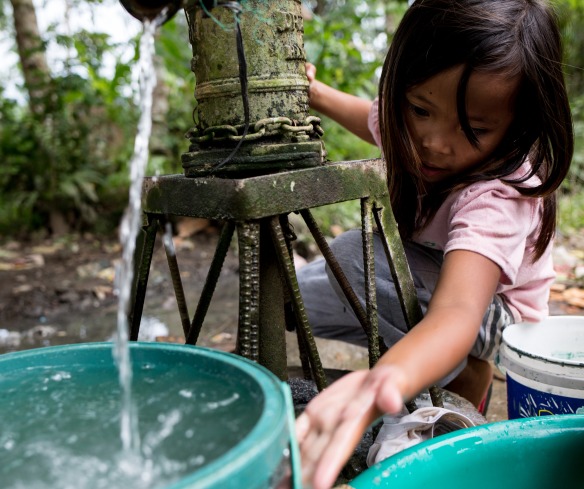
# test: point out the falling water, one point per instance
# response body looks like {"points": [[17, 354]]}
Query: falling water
{"points": [[67, 439], [128, 233]]}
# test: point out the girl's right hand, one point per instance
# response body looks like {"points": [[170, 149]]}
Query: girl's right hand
{"points": [[334, 421]]}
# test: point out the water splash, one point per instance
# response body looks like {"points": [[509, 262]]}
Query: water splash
{"points": [[129, 228]]}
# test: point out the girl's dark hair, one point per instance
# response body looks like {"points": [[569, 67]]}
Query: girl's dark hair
{"points": [[509, 37]]}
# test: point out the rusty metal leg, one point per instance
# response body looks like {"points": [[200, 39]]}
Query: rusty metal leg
{"points": [[248, 234], [337, 271], [211, 282], [291, 323], [398, 264], [179, 292], [287, 266], [303, 353], [400, 271], [144, 249], [370, 285], [272, 321]]}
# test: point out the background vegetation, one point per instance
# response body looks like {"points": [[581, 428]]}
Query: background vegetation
{"points": [[66, 137]]}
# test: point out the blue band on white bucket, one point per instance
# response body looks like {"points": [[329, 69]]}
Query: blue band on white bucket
{"points": [[525, 402]]}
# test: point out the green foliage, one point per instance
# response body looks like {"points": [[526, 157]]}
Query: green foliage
{"points": [[571, 213], [5, 19], [571, 202], [341, 145], [575, 180], [74, 160], [60, 162], [347, 42], [571, 18], [174, 51]]}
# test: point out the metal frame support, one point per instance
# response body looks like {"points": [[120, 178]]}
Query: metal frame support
{"points": [[270, 300]]}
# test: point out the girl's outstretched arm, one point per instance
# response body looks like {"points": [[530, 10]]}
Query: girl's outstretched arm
{"points": [[335, 420], [349, 111]]}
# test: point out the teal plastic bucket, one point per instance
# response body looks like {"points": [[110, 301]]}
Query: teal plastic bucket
{"points": [[530, 453], [206, 419], [544, 367]]}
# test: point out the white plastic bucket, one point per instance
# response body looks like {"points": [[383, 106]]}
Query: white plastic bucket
{"points": [[544, 366]]}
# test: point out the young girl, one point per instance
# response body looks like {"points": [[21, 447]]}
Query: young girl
{"points": [[474, 123]]}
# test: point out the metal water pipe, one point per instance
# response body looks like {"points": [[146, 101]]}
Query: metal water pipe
{"points": [[253, 130], [252, 96]]}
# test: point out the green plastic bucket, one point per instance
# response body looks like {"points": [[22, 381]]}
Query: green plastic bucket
{"points": [[206, 419], [544, 367], [529, 453]]}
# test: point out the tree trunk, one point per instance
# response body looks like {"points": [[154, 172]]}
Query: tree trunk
{"points": [[37, 81], [31, 50]]}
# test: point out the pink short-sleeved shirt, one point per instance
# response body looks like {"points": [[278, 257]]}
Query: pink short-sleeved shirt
{"points": [[495, 220]]}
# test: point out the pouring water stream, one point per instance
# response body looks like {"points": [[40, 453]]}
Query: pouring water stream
{"points": [[69, 441], [129, 228]]}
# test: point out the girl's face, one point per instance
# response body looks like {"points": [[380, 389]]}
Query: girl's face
{"points": [[432, 120]]}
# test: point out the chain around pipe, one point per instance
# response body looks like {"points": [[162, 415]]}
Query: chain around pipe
{"points": [[262, 129]]}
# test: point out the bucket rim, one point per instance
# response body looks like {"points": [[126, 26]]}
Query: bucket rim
{"points": [[272, 423], [459, 442], [555, 361], [509, 362], [562, 362]]}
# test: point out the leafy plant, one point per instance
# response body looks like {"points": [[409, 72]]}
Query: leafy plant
{"points": [[347, 42], [57, 163], [73, 163]]}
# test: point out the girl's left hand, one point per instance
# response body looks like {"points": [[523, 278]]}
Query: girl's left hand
{"points": [[310, 72], [334, 421]]}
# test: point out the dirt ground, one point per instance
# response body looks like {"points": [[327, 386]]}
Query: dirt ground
{"points": [[62, 291]]}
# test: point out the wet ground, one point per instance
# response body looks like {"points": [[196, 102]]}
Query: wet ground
{"points": [[62, 292]]}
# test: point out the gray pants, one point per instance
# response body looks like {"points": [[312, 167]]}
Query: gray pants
{"points": [[330, 315]]}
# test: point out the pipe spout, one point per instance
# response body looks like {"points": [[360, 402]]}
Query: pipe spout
{"points": [[159, 11]]}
